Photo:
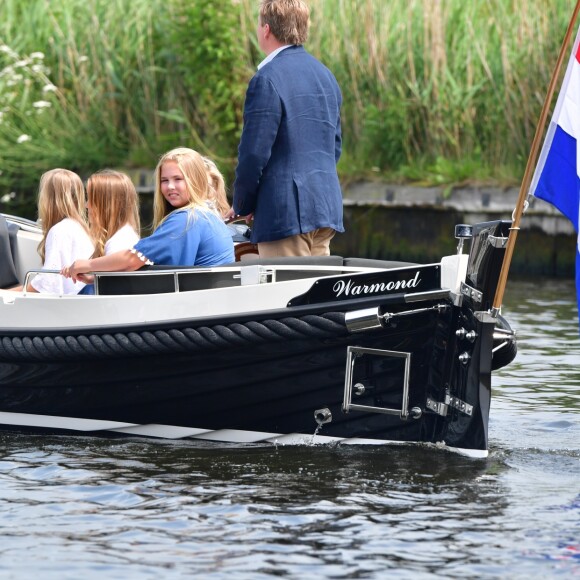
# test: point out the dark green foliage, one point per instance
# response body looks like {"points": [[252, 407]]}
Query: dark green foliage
{"points": [[212, 62], [438, 92]]}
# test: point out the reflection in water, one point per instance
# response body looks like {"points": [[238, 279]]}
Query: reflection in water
{"points": [[540, 390], [136, 508], [275, 510]]}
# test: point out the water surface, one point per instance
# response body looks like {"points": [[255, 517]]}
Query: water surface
{"points": [[95, 508]]}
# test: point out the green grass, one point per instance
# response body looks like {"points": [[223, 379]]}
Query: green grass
{"points": [[437, 92]]}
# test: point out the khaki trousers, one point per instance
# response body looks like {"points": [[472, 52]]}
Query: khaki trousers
{"points": [[315, 243]]}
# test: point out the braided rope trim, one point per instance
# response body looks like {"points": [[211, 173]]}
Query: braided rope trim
{"points": [[186, 340]]}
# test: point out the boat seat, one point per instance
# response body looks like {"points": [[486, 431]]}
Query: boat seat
{"points": [[371, 263], [8, 232], [163, 282], [324, 261], [295, 261]]}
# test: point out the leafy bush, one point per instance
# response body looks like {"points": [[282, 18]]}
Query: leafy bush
{"points": [[213, 65], [431, 89]]}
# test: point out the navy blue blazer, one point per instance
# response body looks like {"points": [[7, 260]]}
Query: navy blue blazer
{"points": [[291, 141]]}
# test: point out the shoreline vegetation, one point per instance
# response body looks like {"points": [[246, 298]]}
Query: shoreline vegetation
{"points": [[436, 92]]}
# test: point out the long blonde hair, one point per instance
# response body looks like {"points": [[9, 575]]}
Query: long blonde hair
{"points": [[113, 203], [217, 188], [61, 195], [194, 171]]}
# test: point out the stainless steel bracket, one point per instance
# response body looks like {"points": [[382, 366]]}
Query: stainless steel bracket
{"points": [[441, 408], [498, 241], [256, 274], [471, 292], [355, 352]]}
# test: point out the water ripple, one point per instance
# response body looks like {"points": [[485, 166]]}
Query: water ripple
{"points": [[143, 509]]}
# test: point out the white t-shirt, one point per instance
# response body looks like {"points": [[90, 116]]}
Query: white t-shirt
{"points": [[123, 239], [66, 242]]}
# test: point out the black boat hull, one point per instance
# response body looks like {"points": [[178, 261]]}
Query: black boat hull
{"points": [[269, 388], [345, 352]]}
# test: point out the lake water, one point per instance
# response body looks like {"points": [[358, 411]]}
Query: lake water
{"points": [[92, 508]]}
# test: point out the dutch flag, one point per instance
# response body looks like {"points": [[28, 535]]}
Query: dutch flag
{"points": [[557, 175]]}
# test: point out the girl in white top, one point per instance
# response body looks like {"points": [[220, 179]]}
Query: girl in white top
{"points": [[61, 209], [113, 206]]}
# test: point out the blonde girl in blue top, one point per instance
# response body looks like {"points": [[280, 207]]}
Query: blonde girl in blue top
{"points": [[187, 232]]}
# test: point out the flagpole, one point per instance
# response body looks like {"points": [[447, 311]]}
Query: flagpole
{"points": [[526, 180]]}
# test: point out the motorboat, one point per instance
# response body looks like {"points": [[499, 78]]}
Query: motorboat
{"points": [[304, 350]]}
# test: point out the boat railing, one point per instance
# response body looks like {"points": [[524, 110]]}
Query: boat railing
{"points": [[165, 280], [24, 223], [185, 278], [30, 275]]}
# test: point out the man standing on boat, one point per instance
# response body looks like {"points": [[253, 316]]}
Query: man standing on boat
{"points": [[286, 177]]}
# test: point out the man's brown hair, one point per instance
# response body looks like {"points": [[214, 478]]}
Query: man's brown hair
{"points": [[288, 19]]}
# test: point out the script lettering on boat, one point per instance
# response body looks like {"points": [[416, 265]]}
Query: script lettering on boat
{"points": [[350, 288], [365, 285]]}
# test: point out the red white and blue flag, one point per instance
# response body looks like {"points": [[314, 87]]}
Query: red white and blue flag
{"points": [[557, 176]]}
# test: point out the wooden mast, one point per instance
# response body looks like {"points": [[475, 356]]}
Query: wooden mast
{"points": [[526, 180]]}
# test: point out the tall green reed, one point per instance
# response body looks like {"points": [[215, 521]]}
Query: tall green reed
{"points": [[432, 80], [434, 90], [101, 59]]}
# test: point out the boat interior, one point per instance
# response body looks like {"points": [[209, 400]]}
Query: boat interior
{"points": [[19, 260]]}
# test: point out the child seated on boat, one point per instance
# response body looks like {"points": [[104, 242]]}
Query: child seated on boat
{"points": [[61, 209], [186, 231], [113, 208]]}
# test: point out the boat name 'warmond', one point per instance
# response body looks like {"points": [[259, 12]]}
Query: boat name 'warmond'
{"points": [[349, 288]]}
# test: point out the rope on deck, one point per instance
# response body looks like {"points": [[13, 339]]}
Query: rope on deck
{"points": [[184, 340]]}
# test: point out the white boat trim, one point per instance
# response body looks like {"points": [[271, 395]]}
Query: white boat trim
{"points": [[218, 435], [56, 422]]}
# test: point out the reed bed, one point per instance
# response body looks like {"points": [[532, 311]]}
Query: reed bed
{"points": [[440, 91]]}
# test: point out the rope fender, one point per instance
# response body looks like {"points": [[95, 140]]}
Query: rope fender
{"points": [[135, 344]]}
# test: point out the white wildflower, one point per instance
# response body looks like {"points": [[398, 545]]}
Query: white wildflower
{"points": [[38, 68], [48, 88], [83, 59], [7, 50], [8, 197], [39, 55], [14, 80], [21, 63], [41, 104], [23, 139]]}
